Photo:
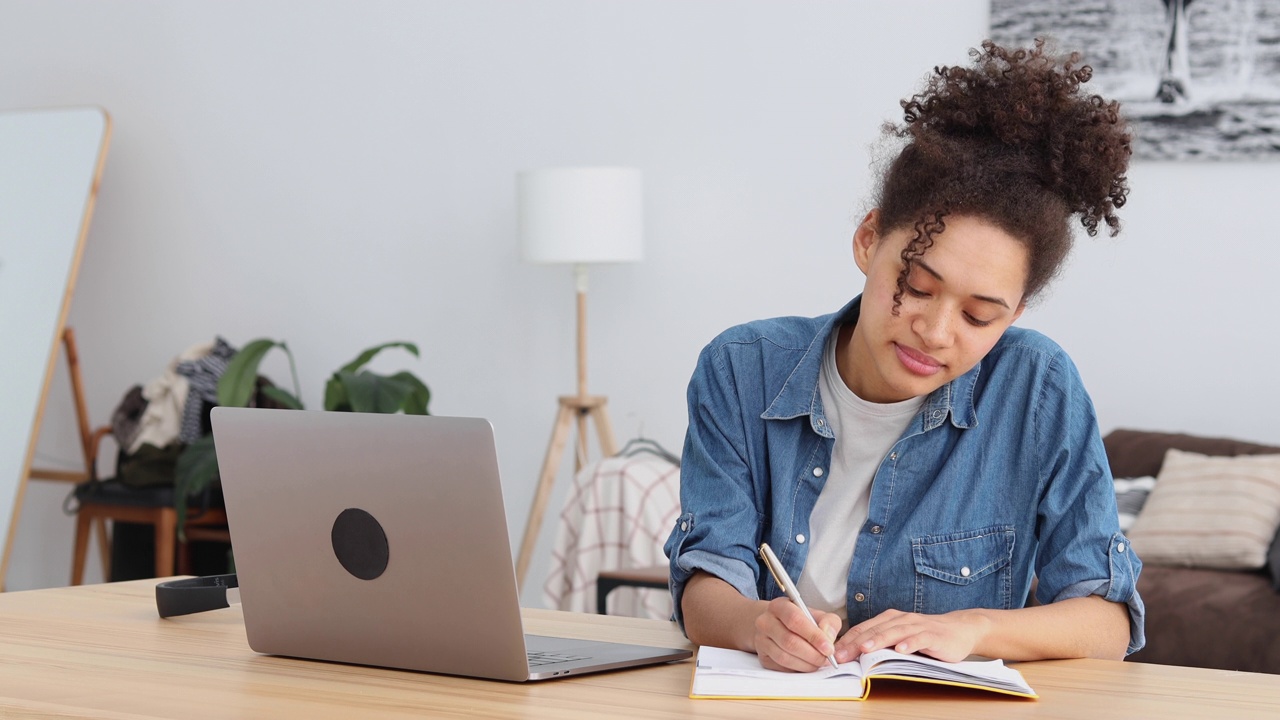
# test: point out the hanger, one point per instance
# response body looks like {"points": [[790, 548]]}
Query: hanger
{"points": [[642, 444]]}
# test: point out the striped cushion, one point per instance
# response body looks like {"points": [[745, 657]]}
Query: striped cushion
{"points": [[1131, 495], [1211, 512]]}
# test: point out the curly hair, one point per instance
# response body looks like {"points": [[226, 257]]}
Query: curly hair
{"points": [[1011, 140]]}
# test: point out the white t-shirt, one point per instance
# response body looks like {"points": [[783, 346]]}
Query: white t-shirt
{"points": [[865, 432]]}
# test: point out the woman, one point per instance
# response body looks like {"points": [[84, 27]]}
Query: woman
{"points": [[914, 460]]}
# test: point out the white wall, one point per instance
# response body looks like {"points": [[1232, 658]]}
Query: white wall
{"points": [[340, 174]]}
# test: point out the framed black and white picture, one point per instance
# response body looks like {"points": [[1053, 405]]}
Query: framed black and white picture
{"points": [[1198, 79]]}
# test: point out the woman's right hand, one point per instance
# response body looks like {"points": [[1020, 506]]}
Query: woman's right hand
{"points": [[716, 614], [786, 640]]}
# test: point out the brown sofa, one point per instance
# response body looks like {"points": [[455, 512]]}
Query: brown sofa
{"points": [[1198, 617]]}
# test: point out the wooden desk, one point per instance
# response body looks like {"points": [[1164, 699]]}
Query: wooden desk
{"points": [[101, 651]]}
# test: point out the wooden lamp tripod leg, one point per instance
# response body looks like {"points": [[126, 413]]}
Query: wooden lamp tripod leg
{"points": [[546, 479], [571, 408], [604, 430]]}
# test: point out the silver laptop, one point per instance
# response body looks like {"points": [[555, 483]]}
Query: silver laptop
{"points": [[382, 540]]}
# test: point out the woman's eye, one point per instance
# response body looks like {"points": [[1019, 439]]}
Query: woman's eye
{"points": [[976, 322], [915, 292]]}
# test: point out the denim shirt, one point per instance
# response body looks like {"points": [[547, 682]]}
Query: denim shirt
{"points": [[1000, 478]]}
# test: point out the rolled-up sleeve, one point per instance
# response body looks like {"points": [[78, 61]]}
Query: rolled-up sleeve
{"points": [[720, 522], [1119, 587]]}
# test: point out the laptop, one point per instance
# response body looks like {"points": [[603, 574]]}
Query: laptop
{"points": [[382, 540]]}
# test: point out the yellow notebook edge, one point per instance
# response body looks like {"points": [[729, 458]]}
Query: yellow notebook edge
{"points": [[953, 683]]}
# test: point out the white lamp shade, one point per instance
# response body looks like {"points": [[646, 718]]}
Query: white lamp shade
{"points": [[581, 214]]}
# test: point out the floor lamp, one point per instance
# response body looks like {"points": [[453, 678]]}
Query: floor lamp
{"points": [[576, 216]]}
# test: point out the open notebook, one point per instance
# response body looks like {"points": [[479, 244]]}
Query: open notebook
{"points": [[721, 673]]}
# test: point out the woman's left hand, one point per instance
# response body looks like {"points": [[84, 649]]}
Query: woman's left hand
{"points": [[951, 637]]}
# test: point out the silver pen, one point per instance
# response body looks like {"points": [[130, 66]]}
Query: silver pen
{"points": [[784, 581]]}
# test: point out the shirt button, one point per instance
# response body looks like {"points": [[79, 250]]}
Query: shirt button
{"points": [[1120, 547], [875, 529], [817, 472], [964, 572], [800, 539], [684, 526], [820, 422], [893, 456], [859, 597]]}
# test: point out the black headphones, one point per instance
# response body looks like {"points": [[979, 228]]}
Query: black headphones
{"points": [[193, 595]]}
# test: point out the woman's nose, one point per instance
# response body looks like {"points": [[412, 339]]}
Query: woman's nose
{"points": [[934, 327]]}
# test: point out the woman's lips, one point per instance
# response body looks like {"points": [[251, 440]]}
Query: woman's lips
{"points": [[916, 362]]}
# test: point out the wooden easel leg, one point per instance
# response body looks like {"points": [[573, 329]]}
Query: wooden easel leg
{"points": [[77, 395], [546, 479]]}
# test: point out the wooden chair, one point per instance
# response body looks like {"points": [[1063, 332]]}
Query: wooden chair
{"points": [[103, 500], [111, 500]]}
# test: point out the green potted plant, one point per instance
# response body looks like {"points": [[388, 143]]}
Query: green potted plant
{"points": [[351, 388]]}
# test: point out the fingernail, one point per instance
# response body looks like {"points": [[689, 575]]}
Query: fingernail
{"points": [[867, 645]]}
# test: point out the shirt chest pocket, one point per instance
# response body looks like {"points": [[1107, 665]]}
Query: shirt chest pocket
{"points": [[970, 569]]}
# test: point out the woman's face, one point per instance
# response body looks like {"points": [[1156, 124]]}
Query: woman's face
{"points": [[961, 296]]}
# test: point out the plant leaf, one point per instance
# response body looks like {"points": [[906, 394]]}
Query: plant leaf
{"points": [[335, 396], [370, 392], [367, 355], [283, 397], [196, 470], [416, 403], [236, 386]]}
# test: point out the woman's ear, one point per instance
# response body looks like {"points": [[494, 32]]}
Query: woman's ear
{"points": [[865, 239]]}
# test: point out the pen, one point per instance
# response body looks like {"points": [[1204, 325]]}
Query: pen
{"points": [[784, 581]]}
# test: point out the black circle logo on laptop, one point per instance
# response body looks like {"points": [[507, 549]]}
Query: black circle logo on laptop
{"points": [[360, 543]]}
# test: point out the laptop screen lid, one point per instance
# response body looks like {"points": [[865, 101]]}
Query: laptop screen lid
{"points": [[379, 540]]}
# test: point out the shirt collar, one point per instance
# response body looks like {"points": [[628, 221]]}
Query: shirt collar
{"points": [[800, 394]]}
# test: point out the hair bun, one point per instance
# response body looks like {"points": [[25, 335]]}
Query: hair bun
{"points": [[1029, 102]]}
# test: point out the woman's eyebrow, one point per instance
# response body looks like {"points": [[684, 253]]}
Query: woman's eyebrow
{"points": [[985, 298]]}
